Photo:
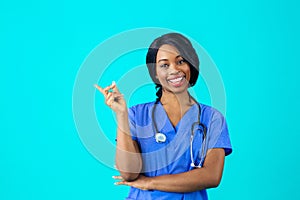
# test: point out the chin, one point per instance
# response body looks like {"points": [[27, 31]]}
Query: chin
{"points": [[178, 90]]}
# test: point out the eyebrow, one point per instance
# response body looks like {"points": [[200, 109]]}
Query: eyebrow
{"points": [[165, 59]]}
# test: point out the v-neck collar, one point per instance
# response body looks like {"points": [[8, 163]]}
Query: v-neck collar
{"points": [[168, 124]]}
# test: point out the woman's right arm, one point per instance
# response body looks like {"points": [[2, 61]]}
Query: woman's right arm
{"points": [[128, 157]]}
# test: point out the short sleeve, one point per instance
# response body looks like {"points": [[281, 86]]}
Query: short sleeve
{"points": [[217, 133], [132, 123]]}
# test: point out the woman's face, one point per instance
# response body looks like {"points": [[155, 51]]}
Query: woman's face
{"points": [[172, 71]]}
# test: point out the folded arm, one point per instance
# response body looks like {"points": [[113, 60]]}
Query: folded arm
{"points": [[208, 176]]}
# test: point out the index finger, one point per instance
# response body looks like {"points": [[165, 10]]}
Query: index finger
{"points": [[118, 178], [100, 89]]}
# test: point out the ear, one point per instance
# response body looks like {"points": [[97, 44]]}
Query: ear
{"points": [[156, 80]]}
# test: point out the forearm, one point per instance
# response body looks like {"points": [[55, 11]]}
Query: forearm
{"points": [[128, 158], [190, 181], [208, 176]]}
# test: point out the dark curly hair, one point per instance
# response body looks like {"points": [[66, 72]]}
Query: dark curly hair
{"points": [[186, 50]]}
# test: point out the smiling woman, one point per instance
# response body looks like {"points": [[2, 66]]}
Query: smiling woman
{"points": [[173, 72], [174, 147]]}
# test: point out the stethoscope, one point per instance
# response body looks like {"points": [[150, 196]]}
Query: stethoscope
{"points": [[161, 138]]}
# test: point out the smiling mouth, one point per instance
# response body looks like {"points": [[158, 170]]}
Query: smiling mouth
{"points": [[177, 82]]}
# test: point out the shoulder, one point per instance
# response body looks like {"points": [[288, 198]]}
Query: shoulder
{"points": [[139, 111], [210, 112], [143, 107], [209, 109]]}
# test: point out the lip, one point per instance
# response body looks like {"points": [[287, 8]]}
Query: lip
{"points": [[176, 81]]}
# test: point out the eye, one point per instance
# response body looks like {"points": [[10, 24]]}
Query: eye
{"points": [[163, 65], [181, 62]]}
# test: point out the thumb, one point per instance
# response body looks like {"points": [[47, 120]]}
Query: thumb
{"points": [[115, 88]]}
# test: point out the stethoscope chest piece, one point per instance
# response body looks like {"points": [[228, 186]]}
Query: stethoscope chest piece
{"points": [[160, 137]]}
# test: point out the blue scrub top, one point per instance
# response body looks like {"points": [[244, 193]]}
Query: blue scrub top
{"points": [[173, 156]]}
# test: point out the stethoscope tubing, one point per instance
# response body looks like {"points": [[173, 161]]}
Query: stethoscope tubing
{"points": [[203, 148]]}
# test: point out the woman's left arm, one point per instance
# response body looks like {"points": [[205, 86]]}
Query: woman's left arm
{"points": [[208, 176]]}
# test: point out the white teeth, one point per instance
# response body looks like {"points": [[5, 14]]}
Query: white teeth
{"points": [[175, 80]]}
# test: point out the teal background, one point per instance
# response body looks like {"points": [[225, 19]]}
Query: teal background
{"points": [[255, 45]]}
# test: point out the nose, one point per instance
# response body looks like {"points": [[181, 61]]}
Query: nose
{"points": [[174, 68]]}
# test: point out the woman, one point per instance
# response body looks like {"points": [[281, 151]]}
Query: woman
{"points": [[173, 148]]}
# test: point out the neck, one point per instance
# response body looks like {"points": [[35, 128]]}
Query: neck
{"points": [[176, 99]]}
